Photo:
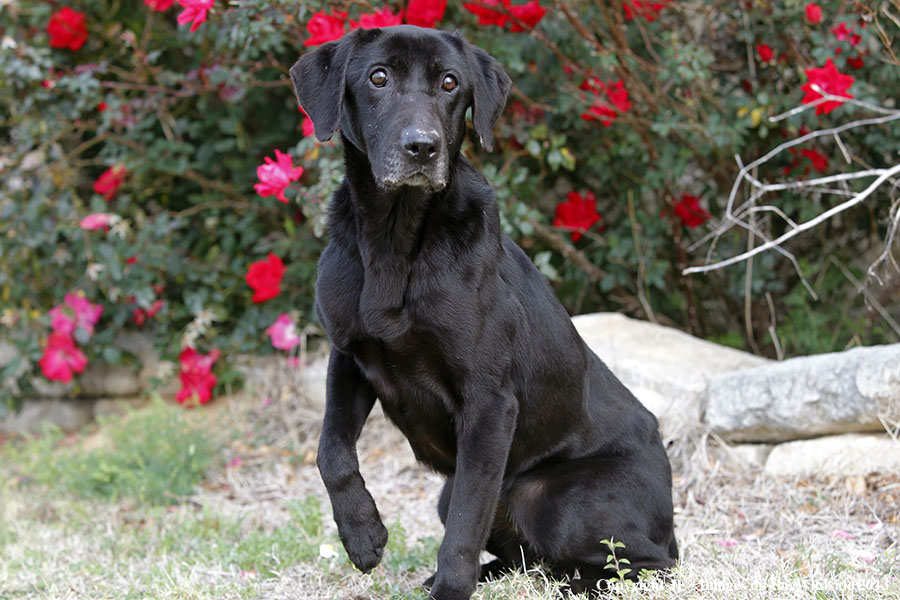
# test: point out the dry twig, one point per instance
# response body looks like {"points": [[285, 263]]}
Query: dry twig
{"points": [[742, 215]]}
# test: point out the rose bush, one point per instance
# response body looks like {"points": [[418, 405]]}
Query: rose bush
{"points": [[137, 170]]}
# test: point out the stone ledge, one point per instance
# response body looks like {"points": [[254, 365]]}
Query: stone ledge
{"points": [[842, 455], [805, 397]]}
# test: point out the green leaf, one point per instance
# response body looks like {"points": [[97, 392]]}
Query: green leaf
{"points": [[112, 355]]}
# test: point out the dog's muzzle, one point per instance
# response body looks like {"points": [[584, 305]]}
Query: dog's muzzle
{"points": [[419, 161]]}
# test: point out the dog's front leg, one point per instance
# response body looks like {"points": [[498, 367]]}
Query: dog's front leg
{"points": [[484, 436], [349, 399]]}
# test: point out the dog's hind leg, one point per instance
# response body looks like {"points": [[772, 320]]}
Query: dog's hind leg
{"points": [[565, 510]]}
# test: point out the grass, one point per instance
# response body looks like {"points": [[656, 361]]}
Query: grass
{"points": [[117, 512], [226, 503], [155, 456], [89, 549]]}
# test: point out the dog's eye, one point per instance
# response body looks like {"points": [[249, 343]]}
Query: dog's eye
{"points": [[378, 78], [449, 83]]}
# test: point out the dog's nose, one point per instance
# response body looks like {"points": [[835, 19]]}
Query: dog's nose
{"points": [[420, 144]]}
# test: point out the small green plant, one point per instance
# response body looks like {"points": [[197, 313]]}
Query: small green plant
{"points": [[613, 562], [400, 557], [156, 456]]}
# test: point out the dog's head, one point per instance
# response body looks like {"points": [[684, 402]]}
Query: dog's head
{"points": [[400, 96]]}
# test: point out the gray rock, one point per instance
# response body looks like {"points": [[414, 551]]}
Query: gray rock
{"points": [[140, 344], [273, 376], [313, 377], [112, 407], [744, 455], [65, 414], [44, 388], [668, 370], [842, 455], [805, 397], [101, 379]]}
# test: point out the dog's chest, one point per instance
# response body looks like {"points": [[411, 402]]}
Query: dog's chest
{"points": [[403, 330], [395, 303], [411, 384]]}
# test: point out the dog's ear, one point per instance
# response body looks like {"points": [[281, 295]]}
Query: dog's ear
{"points": [[489, 96], [319, 78]]}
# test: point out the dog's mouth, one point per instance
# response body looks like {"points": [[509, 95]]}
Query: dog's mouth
{"points": [[418, 179]]}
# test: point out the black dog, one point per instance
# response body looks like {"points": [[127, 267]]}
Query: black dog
{"points": [[436, 313]]}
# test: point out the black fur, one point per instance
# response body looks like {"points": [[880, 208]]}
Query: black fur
{"points": [[432, 310]]}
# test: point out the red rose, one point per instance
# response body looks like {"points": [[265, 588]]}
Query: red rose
{"points": [[819, 161], [109, 181], [425, 13], [66, 29], [845, 34], [615, 93], [159, 5], [831, 81], [577, 213], [855, 63], [140, 315], [618, 95], [309, 128], [264, 277], [487, 16], [601, 113], [814, 12], [765, 52], [649, 10], [690, 212], [325, 28], [383, 18], [529, 13]]}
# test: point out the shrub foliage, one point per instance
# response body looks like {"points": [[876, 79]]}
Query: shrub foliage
{"points": [[616, 155]]}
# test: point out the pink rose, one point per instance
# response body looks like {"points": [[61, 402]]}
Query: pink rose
{"points": [[97, 221], [197, 379], [76, 312], [194, 10], [276, 176], [283, 333]]}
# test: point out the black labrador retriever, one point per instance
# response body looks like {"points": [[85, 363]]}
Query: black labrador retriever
{"points": [[435, 312]]}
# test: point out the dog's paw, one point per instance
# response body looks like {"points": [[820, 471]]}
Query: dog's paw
{"points": [[365, 543], [451, 591]]}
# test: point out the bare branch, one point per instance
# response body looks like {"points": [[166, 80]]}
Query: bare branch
{"points": [[857, 199], [743, 215]]}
